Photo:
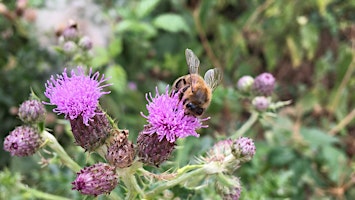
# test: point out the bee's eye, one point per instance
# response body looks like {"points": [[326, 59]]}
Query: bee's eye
{"points": [[199, 111], [190, 106], [196, 109]]}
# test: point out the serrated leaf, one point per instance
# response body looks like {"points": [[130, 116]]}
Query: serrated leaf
{"points": [[171, 23], [335, 159], [118, 78], [145, 7], [317, 138]]}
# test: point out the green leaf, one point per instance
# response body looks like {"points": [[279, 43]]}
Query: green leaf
{"points": [[141, 28], [145, 7], [115, 47], [101, 57], [171, 23], [118, 78], [281, 156], [317, 138], [335, 163]]}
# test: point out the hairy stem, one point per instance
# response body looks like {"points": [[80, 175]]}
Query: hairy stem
{"points": [[181, 177], [241, 131], [57, 148], [39, 194]]}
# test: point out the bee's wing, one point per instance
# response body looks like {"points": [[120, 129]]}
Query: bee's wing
{"points": [[213, 78], [192, 61]]}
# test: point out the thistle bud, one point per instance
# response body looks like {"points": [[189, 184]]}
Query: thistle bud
{"points": [[23, 141], [70, 33], [244, 147], [261, 103], [229, 189], [245, 83], [153, 151], [264, 84], [120, 152], [32, 111], [85, 43], [97, 179], [69, 47], [93, 135]]}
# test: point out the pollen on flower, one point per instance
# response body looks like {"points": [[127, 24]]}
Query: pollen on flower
{"points": [[167, 118], [76, 94]]}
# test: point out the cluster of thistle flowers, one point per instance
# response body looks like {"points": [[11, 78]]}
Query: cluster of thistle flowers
{"points": [[71, 41], [259, 89], [223, 159], [25, 140], [76, 95]]}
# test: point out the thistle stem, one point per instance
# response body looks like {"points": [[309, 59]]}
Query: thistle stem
{"points": [[180, 178], [56, 147], [39, 194], [241, 131], [127, 176]]}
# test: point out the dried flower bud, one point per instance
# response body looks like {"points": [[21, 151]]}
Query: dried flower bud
{"points": [[93, 135], [220, 151], [244, 148], [264, 84], [261, 103], [152, 150], [120, 152], [85, 43], [245, 83], [97, 179], [23, 141], [32, 111]]}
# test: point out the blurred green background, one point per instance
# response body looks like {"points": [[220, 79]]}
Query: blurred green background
{"points": [[306, 152]]}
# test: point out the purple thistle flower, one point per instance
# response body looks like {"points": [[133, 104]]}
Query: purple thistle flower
{"points": [[167, 118], [23, 141], [77, 95], [261, 103], [97, 179], [244, 147], [264, 84]]}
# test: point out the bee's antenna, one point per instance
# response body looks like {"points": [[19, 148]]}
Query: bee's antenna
{"points": [[191, 83]]}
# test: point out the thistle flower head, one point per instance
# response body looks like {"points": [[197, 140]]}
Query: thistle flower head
{"points": [[23, 141], [32, 111], [220, 150], [85, 43], [151, 150], [264, 84], [245, 83], [230, 188], [120, 151], [167, 119], [97, 179], [261, 103], [76, 94], [244, 147]]}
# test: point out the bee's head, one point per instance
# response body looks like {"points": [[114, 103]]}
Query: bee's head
{"points": [[194, 109]]}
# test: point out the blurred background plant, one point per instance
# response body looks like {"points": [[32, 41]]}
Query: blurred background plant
{"points": [[304, 152]]}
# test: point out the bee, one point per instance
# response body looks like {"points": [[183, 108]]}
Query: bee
{"points": [[194, 91]]}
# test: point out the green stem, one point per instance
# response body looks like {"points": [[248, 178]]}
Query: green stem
{"points": [[128, 178], [39, 194], [252, 119], [183, 177], [56, 147]]}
